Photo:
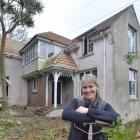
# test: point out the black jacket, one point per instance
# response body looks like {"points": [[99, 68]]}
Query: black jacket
{"points": [[98, 110]]}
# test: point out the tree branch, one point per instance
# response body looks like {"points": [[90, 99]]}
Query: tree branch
{"points": [[7, 5], [2, 24], [12, 28]]}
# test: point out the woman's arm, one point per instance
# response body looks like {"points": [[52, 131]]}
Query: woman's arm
{"points": [[108, 115], [70, 113]]}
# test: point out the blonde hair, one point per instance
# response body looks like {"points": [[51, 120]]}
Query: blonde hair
{"points": [[91, 79]]}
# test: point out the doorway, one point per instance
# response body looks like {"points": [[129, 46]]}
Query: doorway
{"points": [[59, 92]]}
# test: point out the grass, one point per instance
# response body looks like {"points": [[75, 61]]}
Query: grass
{"points": [[29, 126], [25, 125]]}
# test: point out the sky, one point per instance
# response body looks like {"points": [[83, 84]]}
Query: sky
{"points": [[71, 18]]}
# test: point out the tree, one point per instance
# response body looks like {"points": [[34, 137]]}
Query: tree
{"points": [[20, 13], [20, 34]]}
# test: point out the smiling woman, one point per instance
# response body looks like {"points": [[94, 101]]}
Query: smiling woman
{"points": [[89, 108]]}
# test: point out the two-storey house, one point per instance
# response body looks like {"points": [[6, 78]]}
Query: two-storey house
{"points": [[52, 65], [102, 51]]}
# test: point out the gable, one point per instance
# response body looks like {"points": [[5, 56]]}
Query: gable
{"points": [[104, 25]]}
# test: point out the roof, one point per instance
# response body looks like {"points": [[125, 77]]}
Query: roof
{"points": [[12, 46], [50, 36], [61, 60], [105, 24], [55, 37]]}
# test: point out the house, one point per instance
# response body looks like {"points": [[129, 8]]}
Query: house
{"points": [[103, 48], [53, 65], [16, 86], [48, 70]]}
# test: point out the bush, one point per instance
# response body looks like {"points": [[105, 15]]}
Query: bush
{"points": [[119, 132]]}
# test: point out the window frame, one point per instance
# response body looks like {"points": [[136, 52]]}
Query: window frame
{"points": [[132, 44], [34, 85], [29, 54], [133, 82], [87, 44]]}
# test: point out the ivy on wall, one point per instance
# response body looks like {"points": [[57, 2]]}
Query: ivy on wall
{"points": [[130, 57]]}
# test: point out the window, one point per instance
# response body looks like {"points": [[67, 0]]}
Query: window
{"points": [[7, 85], [46, 49], [87, 46], [92, 71], [34, 85], [131, 39], [29, 54], [132, 83], [43, 50], [51, 50]]}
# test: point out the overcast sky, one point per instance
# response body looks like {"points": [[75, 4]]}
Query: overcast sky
{"points": [[70, 18]]}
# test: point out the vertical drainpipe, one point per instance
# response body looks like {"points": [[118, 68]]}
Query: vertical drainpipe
{"points": [[104, 64]]}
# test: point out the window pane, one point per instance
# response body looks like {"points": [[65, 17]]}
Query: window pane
{"points": [[85, 46], [51, 50], [131, 40], [81, 75], [94, 72], [132, 82], [43, 51], [87, 72], [91, 47], [34, 86]]}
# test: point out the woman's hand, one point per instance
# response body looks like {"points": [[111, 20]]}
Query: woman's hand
{"points": [[82, 109]]}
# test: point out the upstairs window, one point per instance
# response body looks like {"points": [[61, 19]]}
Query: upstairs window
{"points": [[132, 83], [51, 50], [30, 54], [87, 46], [46, 49], [131, 39]]}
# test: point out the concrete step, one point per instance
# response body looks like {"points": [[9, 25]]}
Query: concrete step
{"points": [[42, 111]]}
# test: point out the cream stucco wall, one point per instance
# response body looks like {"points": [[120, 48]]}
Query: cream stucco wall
{"points": [[17, 90]]}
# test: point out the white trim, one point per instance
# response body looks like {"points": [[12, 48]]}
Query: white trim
{"points": [[132, 97], [8, 82]]}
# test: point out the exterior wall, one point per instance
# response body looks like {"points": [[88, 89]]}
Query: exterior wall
{"points": [[30, 67], [17, 90], [67, 91], [74, 55], [96, 60], [116, 70], [120, 96], [38, 98]]}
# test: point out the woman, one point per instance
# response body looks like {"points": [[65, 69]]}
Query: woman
{"points": [[88, 108]]}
